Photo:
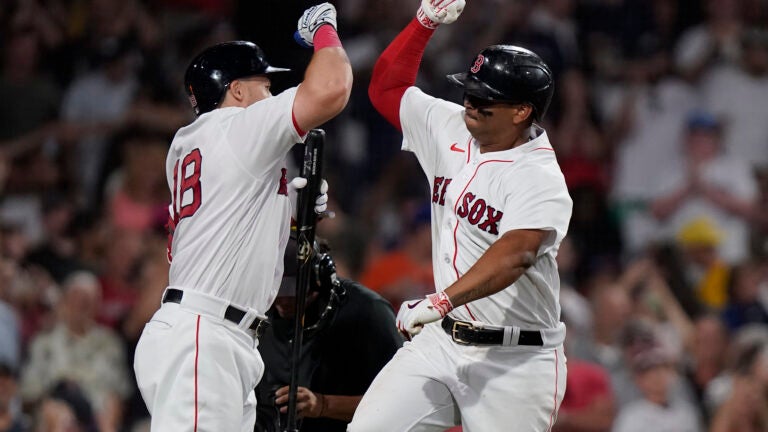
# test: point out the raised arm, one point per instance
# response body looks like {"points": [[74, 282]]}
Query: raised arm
{"points": [[328, 79], [398, 65]]}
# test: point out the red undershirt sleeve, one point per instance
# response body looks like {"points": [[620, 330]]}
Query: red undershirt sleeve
{"points": [[396, 70]]}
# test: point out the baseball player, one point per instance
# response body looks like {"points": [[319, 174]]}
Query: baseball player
{"points": [[196, 361], [487, 346]]}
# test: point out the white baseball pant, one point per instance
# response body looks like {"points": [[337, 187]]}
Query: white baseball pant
{"points": [[196, 371], [432, 383]]}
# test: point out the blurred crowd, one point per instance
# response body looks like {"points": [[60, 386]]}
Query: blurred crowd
{"points": [[660, 124]]}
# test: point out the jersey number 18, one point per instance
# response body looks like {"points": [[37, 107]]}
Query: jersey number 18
{"points": [[187, 182]]}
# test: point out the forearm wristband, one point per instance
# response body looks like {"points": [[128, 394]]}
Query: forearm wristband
{"points": [[326, 36]]}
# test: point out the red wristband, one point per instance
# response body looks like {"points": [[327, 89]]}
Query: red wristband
{"points": [[441, 302], [326, 36]]}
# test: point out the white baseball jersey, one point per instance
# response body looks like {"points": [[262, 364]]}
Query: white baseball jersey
{"points": [[478, 197], [227, 176], [475, 199]]}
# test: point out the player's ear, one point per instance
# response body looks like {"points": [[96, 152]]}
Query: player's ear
{"points": [[523, 112], [237, 90]]}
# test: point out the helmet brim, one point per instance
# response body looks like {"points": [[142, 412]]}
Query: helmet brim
{"points": [[272, 69], [473, 86], [457, 79]]}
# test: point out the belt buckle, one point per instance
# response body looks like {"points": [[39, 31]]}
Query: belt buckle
{"points": [[455, 332], [261, 327]]}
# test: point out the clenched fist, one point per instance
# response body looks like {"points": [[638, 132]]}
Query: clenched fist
{"points": [[414, 314], [311, 20], [432, 13]]}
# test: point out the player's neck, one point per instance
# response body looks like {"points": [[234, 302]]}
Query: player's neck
{"points": [[504, 140]]}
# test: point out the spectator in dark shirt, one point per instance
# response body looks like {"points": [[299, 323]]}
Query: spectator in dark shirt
{"points": [[745, 305]]}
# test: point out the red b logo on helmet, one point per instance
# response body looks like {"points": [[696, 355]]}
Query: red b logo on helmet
{"points": [[478, 63]]}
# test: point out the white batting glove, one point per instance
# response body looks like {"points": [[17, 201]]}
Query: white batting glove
{"points": [[414, 314], [432, 13], [311, 20], [321, 202]]}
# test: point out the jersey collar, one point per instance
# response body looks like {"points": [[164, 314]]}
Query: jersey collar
{"points": [[538, 141]]}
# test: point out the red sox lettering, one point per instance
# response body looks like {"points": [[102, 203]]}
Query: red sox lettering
{"points": [[474, 210], [440, 185]]}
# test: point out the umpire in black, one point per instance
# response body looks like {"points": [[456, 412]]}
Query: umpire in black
{"points": [[349, 335]]}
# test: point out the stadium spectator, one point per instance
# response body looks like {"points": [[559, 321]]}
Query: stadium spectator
{"points": [[136, 194], [746, 408], [741, 361], [713, 42], [703, 270], [95, 106], [118, 277], [708, 184], [705, 357], [588, 404], [79, 350], [66, 409], [746, 303], [731, 92], [36, 99], [644, 116], [610, 308], [654, 374], [12, 419], [10, 332], [57, 252], [151, 282]]}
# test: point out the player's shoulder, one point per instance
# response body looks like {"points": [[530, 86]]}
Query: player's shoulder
{"points": [[537, 170], [285, 97], [203, 121], [533, 171], [266, 113]]}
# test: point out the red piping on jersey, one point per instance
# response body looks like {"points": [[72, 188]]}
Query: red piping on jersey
{"points": [[471, 315], [197, 351], [469, 148], [543, 148], [296, 125], [455, 228], [554, 406], [396, 70]]}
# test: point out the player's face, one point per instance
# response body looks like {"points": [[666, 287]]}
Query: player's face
{"points": [[484, 117]]}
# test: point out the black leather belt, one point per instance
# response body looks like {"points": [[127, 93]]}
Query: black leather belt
{"points": [[232, 313], [466, 333]]}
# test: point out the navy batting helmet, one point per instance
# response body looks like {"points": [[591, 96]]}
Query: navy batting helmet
{"points": [[507, 73], [213, 70]]}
